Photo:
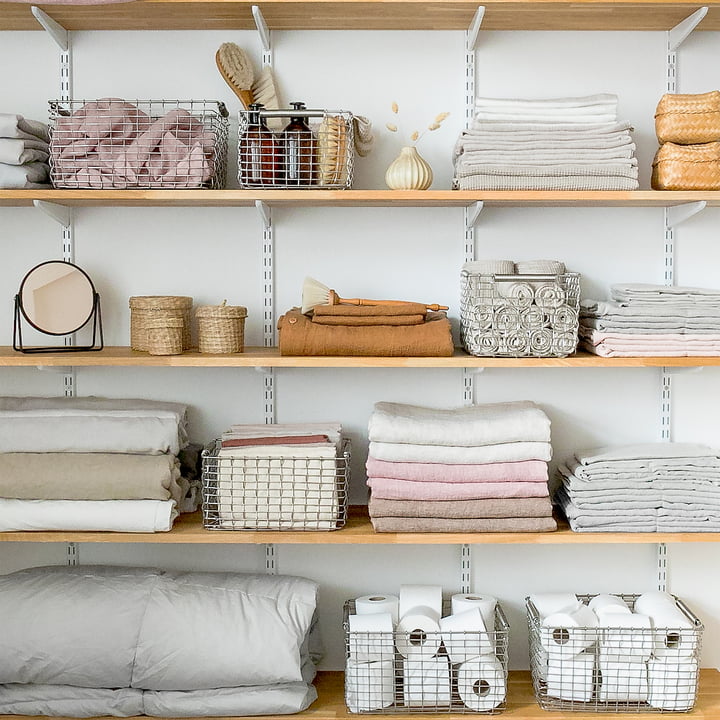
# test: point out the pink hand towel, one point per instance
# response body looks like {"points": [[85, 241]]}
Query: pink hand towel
{"points": [[392, 489]]}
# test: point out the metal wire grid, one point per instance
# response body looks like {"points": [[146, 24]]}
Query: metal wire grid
{"points": [[613, 669], [292, 160], [118, 144], [275, 493], [467, 673], [519, 315]]}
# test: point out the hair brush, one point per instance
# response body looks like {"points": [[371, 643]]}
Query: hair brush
{"points": [[237, 71]]}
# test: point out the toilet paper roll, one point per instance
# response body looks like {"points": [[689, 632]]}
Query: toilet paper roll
{"points": [[624, 636], [623, 680], [569, 633], [551, 603], [426, 682], [371, 604], [465, 636], [674, 636], [417, 635], [414, 596], [672, 684], [571, 677], [369, 686], [486, 604], [370, 637], [604, 604], [481, 683]]}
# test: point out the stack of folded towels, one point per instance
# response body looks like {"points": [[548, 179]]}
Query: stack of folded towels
{"points": [[405, 330], [473, 469], [24, 152], [92, 464], [655, 487], [555, 144], [276, 477], [652, 320]]}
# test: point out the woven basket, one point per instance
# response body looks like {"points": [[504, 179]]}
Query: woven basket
{"points": [[221, 328], [145, 308], [164, 336], [688, 119], [687, 167]]}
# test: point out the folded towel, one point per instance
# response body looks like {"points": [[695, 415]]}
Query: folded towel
{"points": [[18, 177], [490, 267], [16, 151], [646, 292], [648, 311], [392, 489], [527, 471], [568, 182], [614, 169], [561, 156], [363, 135], [333, 431], [405, 314], [574, 117], [313, 450], [300, 336], [486, 508], [476, 425], [509, 525], [650, 350], [478, 140], [499, 453], [16, 126], [539, 267], [604, 100], [526, 125], [643, 451], [282, 440]]}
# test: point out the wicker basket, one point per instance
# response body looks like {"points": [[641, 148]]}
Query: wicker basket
{"points": [[687, 167], [147, 308], [164, 336], [688, 119], [221, 328]]}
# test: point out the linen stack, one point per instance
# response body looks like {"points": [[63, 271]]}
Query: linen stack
{"points": [[24, 153], [572, 143], [652, 320], [91, 464], [654, 487], [277, 477], [472, 469], [405, 330]]}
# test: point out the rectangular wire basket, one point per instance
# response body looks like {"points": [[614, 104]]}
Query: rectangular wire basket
{"points": [[519, 315], [280, 158], [275, 493], [458, 672], [615, 669], [116, 144]]}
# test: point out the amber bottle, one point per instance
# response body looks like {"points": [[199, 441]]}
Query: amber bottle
{"points": [[299, 150], [260, 153]]}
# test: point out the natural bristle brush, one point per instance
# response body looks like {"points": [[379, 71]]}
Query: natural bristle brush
{"points": [[315, 293], [237, 70]]}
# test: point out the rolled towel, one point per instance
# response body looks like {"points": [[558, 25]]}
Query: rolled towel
{"points": [[490, 267], [540, 267]]}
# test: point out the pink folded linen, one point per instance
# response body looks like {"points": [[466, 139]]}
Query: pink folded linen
{"points": [[392, 489], [524, 471]]}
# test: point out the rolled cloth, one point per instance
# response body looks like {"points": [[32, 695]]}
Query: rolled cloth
{"points": [[486, 508], [512, 524], [300, 336], [89, 476]]}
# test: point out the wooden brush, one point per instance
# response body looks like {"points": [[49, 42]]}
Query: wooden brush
{"points": [[315, 293], [237, 71]]}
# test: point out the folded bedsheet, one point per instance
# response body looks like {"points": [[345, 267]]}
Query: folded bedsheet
{"points": [[392, 489], [498, 453], [511, 524], [487, 508]]}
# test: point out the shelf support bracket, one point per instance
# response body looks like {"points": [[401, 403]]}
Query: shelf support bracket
{"points": [[268, 262], [60, 213], [472, 215], [72, 554], [678, 214], [466, 569], [471, 36], [270, 559], [675, 38], [666, 405], [265, 37], [662, 567], [62, 38]]}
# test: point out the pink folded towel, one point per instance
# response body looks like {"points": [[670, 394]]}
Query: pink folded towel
{"points": [[392, 489], [524, 471]]}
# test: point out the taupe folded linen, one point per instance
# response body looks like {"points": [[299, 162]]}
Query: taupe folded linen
{"points": [[511, 524], [535, 507], [89, 476]]}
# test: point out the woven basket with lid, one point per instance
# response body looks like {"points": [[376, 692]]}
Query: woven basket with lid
{"points": [[144, 308], [688, 119], [687, 167], [164, 336], [221, 328]]}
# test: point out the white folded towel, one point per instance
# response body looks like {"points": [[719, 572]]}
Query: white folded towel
{"points": [[505, 452], [490, 267], [18, 177], [14, 151], [480, 181], [16, 126], [608, 100]]}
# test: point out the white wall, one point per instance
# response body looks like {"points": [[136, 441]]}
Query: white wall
{"points": [[213, 254]]}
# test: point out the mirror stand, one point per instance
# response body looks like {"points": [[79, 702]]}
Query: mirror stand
{"points": [[97, 332]]}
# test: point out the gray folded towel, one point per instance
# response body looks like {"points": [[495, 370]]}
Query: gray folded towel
{"points": [[16, 126]]}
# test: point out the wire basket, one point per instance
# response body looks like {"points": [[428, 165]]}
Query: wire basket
{"points": [[291, 160], [116, 144], [457, 672], [615, 669], [519, 315], [275, 493]]}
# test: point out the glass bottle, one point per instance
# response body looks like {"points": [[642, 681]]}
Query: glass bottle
{"points": [[299, 149], [260, 154]]}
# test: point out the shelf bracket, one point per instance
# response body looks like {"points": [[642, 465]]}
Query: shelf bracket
{"points": [[62, 38], [674, 215], [471, 36], [662, 567], [72, 554], [472, 215], [60, 213], [268, 262], [665, 405], [270, 559], [466, 569], [265, 38], [675, 38]]}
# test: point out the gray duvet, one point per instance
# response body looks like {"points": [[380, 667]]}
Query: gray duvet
{"points": [[125, 641]]}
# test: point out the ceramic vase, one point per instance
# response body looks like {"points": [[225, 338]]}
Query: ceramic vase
{"points": [[409, 171]]}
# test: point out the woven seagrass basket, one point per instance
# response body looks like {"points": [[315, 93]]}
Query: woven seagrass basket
{"points": [[687, 167], [221, 328], [688, 119], [164, 336], [146, 308]]}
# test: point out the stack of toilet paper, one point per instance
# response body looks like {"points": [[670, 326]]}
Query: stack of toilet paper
{"points": [[404, 645], [606, 652]]}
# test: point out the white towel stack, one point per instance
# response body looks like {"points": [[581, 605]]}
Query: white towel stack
{"points": [[572, 143], [654, 487], [24, 152], [652, 320]]}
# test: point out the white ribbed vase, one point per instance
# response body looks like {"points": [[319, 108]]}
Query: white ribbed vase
{"points": [[409, 171]]}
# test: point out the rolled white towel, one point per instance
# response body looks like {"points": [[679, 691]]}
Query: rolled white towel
{"points": [[490, 267]]}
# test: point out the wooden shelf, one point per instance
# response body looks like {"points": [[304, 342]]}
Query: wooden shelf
{"points": [[354, 198], [270, 357], [188, 529], [367, 15], [521, 704]]}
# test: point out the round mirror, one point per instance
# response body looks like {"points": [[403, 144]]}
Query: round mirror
{"points": [[57, 297]]}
